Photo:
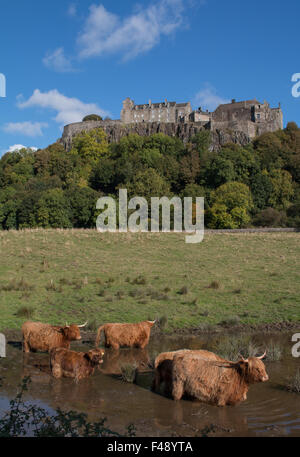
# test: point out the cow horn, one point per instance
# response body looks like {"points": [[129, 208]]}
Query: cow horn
{"points": [[262, 356], [67, 325], [83, 325], [242, 358]]}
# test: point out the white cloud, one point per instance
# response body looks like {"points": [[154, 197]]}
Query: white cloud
{"points": [[72, 10], [18, 147], [68, 110], [25, 128], [57, 61], [105, 32], [207, 98]]}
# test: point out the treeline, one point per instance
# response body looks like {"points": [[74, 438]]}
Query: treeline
{"points": [[258, 184]]}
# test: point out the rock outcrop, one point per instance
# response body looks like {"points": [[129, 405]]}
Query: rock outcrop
{"points": [[115, 130]]}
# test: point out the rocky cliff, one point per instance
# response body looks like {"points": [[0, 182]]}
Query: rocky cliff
{"points": [[115, 130]]}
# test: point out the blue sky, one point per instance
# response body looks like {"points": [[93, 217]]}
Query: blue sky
{"points": [[63, 59]]}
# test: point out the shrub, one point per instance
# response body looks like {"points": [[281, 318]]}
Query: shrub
{"points": [[102, 293], [204, 327], [231, 348], [15, 285], [92, 326], [139, 280], [162, 322], [23, 417], [229, 321], [183, 291], [25, 311], [92, 117], [51, 285], [120, 294], [270, 217], [274, 351], [214, 285], [293, 384]]}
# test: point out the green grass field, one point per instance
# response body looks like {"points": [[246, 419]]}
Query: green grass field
{"points": [[76, 275]]}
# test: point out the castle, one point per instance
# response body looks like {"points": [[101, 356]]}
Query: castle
{"points": [[250, 116], [235, 122]]}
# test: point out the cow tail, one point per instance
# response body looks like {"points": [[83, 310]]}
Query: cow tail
{"points": [[99, 335]]}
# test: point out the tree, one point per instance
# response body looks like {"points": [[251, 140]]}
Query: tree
{"points": [[244, 161], [53, 210], [270, 217], [201, 142], [92, 117], [103, 175], [269, 149], [218, 217], [261, 188], [220, 171], [283, 191], [147, 184], [91, 146], [9, 204], [82, 203], [189, 168], [233, 194]]}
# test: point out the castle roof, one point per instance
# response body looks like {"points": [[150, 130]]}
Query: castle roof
{"points": [[156, 105], [236, 105]]}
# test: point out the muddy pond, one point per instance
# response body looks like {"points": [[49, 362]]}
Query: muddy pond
{"points": [[268, 411]]}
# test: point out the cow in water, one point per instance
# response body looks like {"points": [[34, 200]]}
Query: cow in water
{"points": [[163, 366], [130, 335], [43, 337], [72, 364], [217, 382]]}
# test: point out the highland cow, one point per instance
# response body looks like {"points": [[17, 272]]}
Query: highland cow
{"points": [[72, 364], [217, 382], [43, 337], [130, 335], [164, 367]]}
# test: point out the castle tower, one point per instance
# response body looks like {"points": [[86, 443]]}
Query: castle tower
{"points": [[126, 113]]}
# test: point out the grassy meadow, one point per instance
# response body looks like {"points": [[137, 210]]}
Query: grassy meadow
{"points": [[76, 275]]}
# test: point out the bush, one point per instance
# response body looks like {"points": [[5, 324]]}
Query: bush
{"points": [[231, 348], [162, 322], [25, 311], [274, 351], [230, 321], [92, 117], [270, 217], [293, 384], [183, 291], [214, 285], [23, 417]]}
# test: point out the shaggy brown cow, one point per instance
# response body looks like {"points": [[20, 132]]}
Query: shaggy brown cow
{"points": [[164, 366], [218, 382], [72, 364], [131, 335], [44, 337]]}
